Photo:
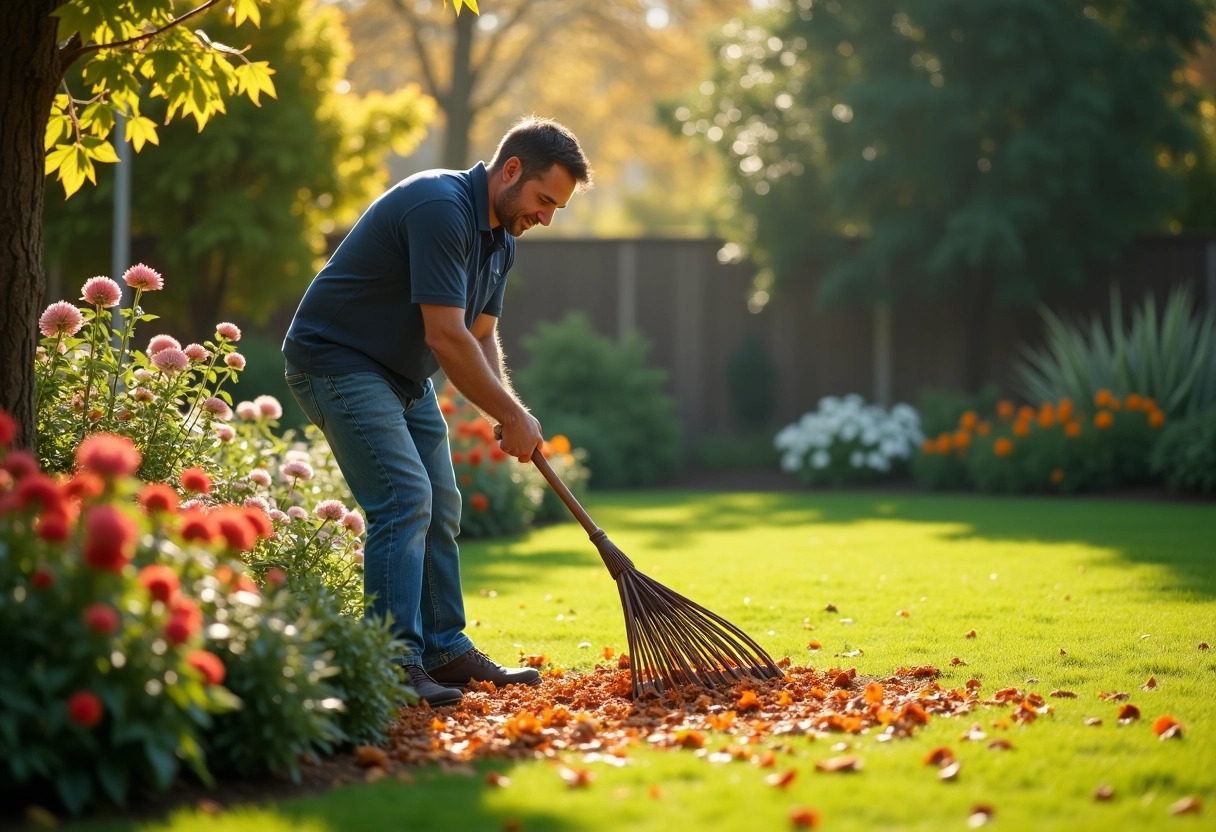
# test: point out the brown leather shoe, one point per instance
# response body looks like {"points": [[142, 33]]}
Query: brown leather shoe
{"points": [[476, 666], [428, 690]]}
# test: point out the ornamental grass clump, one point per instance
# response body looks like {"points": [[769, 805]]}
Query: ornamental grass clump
{"points": [[1055, 447], [499, 494], [845, 442]]}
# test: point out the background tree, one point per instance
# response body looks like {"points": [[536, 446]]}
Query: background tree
{"points": [[597, 66], [236, 216], [945, 145]]}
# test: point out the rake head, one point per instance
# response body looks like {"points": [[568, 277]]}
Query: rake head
{"points": [[675, 642]]}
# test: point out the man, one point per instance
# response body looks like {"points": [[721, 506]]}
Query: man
{"points": [[417, 286]]}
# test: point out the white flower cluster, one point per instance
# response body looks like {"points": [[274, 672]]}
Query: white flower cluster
{"points": [[846, 432]]}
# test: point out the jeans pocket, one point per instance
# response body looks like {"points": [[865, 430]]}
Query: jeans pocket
{"points": [[301, 388]]}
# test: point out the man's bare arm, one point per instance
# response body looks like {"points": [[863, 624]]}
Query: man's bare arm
{"points": [[476, 370]]}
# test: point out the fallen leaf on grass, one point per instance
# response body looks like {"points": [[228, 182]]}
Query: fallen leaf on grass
{"points": [[375, 775], [803, 818], [748, 701], [534, 660], [1151, 684], [903, 613], [1000, 745], [980, 815], [623, 662], [849, 762], [813, 645], [575, 778], [781, 779], [939, 756], [1166, 724], [1186, 806], [970, 634], [830, 608], [1203, 645], [1115, 697], [956, 662], [499, 780], [1103, 793], [974, 734], [1128, 713], [1093, 720], [1062, 694], [655, 792], [950, 772]]}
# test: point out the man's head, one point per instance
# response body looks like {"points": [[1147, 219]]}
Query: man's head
{"points": [[537, 167]]}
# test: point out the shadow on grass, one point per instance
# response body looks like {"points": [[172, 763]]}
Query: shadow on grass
{"points": [[1180, 536]]}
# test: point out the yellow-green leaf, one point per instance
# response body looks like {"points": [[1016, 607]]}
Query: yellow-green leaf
{"points": [[243, 9], [56, 157], [99, 150], [141, 129], [254, 78], [58, 128]]}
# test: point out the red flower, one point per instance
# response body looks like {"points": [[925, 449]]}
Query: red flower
{"points": [[479, 502], [244, 583], [475, 456], [158, 497], [101, 618], [110, 538], [54, 527], [20, 464], [84, 708], [259, 521], [197, 526], [457, 457], [8, 428], [108, 455], [196, 479], [275, 576], [161, 582], [85, 485], [37, 489], [235, 528], [184, 620], [42, 578], [207, 664]]}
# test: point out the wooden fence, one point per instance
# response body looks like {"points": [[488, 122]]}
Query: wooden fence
{"points": [[693, 311]]}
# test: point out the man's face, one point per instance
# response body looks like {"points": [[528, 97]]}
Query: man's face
{"points": [[523, 204]]}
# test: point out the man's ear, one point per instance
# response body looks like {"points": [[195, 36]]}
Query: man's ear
{"points": [[511, 169]]}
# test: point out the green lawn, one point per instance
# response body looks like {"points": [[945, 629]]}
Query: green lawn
{"points": [[1083, 594]]}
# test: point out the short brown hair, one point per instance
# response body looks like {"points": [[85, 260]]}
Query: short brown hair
{"points": [[540, 143]]}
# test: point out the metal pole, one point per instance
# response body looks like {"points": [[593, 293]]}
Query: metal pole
{"points": [[120, 250]]}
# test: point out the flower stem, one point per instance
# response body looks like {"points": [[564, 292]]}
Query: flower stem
{"points": [[127, 332]]}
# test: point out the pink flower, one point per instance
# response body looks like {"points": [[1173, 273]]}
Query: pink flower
{"points": [[227, 331], [61, 318], [110, 539], [358, 556], [191, 505], [297, 513], [225, 433], [269, 406], [260, 476], [142, 277], [218, 407], [108, 455], [143, 394], [247, 411], [257, 503], [142, 374], [197, 353], [354, 521], [162, 342], [170, 361], [330, 510], [277, 516], [101, 291], [235, 360], [297, 470]]}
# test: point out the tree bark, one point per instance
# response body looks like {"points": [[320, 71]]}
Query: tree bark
{"points": [[457, 100], [29, 75], [981, 296]]}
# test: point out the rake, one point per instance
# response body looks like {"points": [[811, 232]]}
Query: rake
{"points": [[672, 641]]}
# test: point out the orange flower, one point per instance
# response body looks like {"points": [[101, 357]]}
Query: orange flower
{"points": [[1073, 429], [943, 444], [479, 502], [1114, 404], [1148, 404], [1057, 476], [1002, 447], [1103, 419], [962, 439], [1133, 401], [1156, 418], [1102, 397], [928, 446], [457, 457], [1021, 427], [968, 420], [1047, 417], [1026, 413], [1064, 410], [560, 444], [445, 406], [983, 428], [1004, 409]]}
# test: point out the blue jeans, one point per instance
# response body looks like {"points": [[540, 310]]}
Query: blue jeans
{"points": [[393, 452]]}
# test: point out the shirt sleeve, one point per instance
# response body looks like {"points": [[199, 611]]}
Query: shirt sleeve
{"points": [[439, 241]]}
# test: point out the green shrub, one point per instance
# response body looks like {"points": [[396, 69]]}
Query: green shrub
{"points": [[751, 382], [1185, 456], [601, 394], [941, 410], [731, 451], [1171, 358]]}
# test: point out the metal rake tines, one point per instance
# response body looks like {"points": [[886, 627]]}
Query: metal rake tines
{"points": [[674, 641]]}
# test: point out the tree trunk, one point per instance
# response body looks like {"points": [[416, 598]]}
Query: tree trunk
{"points": [[456, 103], [979, 311], [29, 74]]}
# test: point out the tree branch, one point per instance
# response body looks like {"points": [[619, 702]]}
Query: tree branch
{"points": [[508, 75], [424, 56], [67, 58]]}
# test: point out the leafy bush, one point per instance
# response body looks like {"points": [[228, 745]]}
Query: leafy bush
{"points": [[846, 441], [1171, 359], [730, 451], [1185, 456], [751, 381], [601, 394], [941, 410]]}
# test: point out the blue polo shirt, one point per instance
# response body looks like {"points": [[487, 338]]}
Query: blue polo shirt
{"points": [[426, 240]]}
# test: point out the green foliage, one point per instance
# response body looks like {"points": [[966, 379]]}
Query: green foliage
{"points": [[911, 149], [1185, 456], [601, 394], [244, 207], [751, 380], [1171, 358], [845, 442], [127, 44], [728, 451], [941, 410]]}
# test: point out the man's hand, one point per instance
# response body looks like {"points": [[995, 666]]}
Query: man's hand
{"points": [[521, 439]]}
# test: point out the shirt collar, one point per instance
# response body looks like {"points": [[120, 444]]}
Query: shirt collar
{"points": [[481, 206]]}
